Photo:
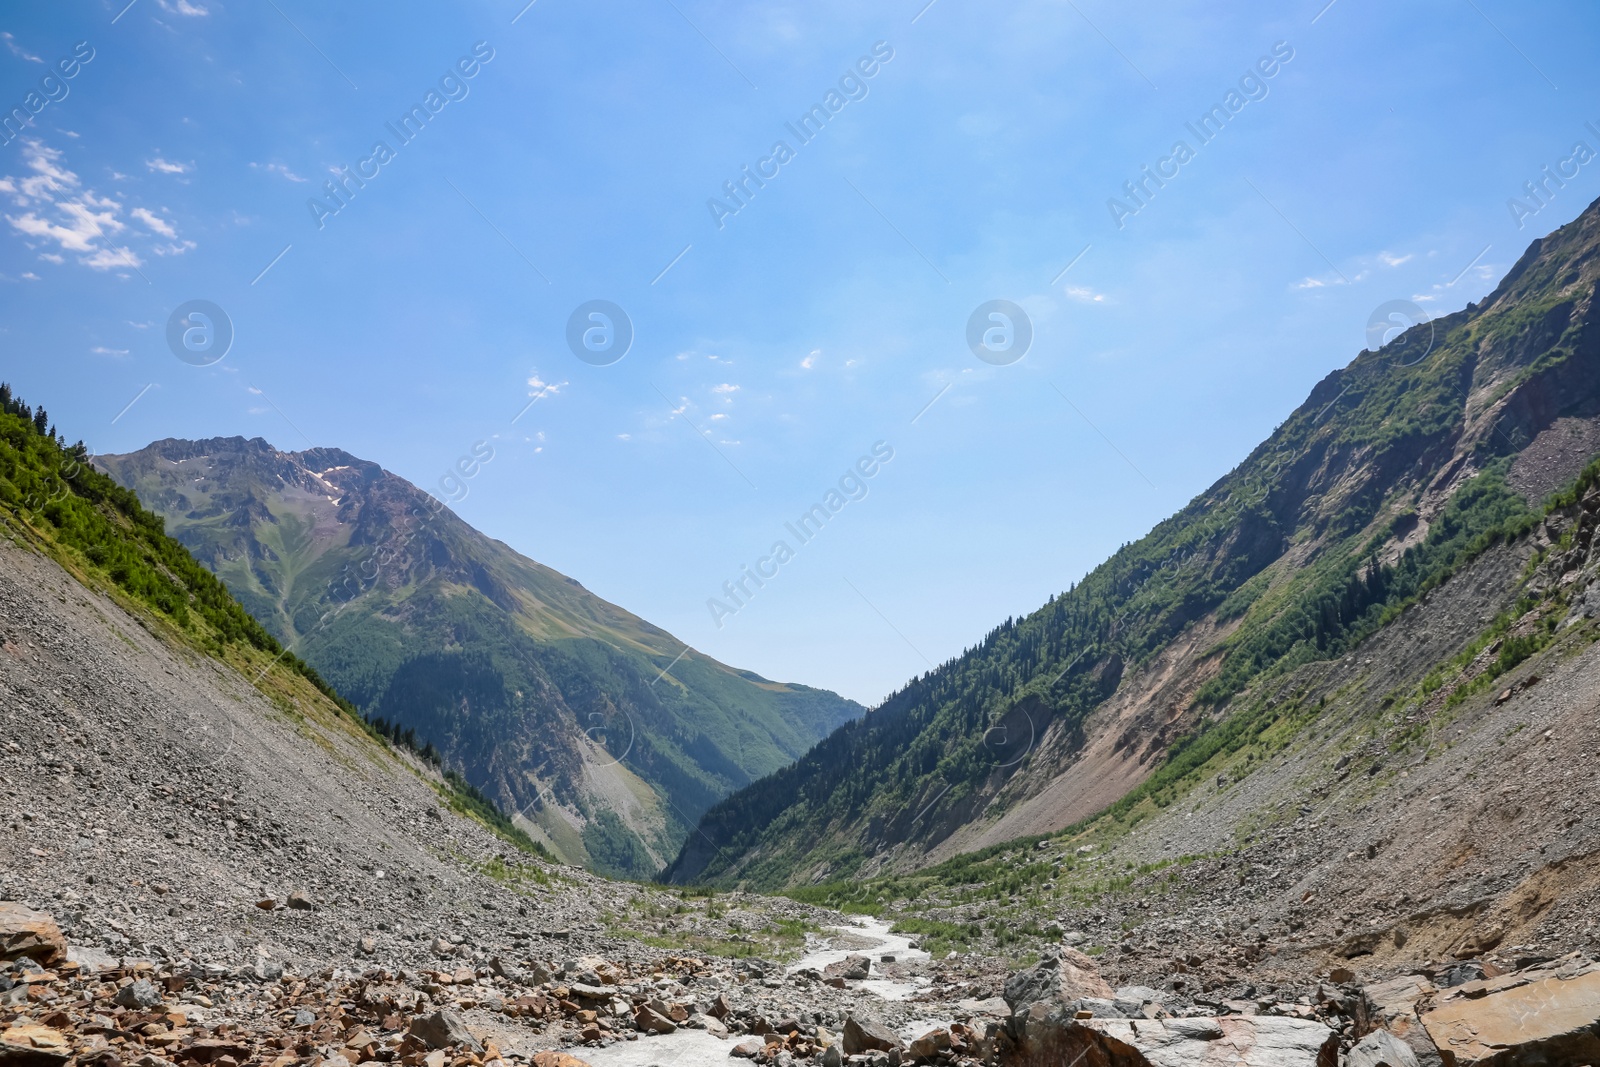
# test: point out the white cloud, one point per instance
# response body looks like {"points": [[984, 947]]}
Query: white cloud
{"points": [[719, 415], [280, 169], [183, 7], [111, 258], [810, 360], [624, 436], [538, 387], [59, 211], [154, 222], [1391, 260], [726, 389], [166, 166], [1310, 283], [1085, 294], [28, 274], [17, 50], [101, 350]]}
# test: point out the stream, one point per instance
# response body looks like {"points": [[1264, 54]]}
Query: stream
{"points": [[696, 1048]]}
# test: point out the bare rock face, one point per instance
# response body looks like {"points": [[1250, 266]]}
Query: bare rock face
{"points": [[1232, 1040], [24, 932], [1552, 1019], [1061, 980]]}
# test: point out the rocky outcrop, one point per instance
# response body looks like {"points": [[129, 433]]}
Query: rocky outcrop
{"points": [[24, 932], [1548, 1016]]}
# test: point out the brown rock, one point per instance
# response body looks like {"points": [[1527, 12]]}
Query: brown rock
{"points": [[557, 1059], [867, 1035], [300, 901], [930, 1044], [24, 932], [747, 1049], [31, 1045], [1554, 1020], [651, 1021]]}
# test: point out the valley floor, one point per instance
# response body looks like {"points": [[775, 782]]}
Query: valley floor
{"points": [[254, 881]]}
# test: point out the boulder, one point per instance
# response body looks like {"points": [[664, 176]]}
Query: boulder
{"points": [[557, 1059], [1056, 980], [138, 994], [1552, 1020], [1381, 1049], [1393, 1006], [443, 1029], [930, 1044], [748, 1049], [27, 1044], [652, 1021], [1052, 1039], [867, 1035], [25, 932]]}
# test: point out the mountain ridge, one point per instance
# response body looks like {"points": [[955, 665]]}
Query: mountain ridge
{"points": [[605, 735], [1372, 492]]}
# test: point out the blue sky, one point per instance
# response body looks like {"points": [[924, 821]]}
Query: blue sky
{"points": [[772, 347]]}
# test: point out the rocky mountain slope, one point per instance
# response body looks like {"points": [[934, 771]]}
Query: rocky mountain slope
{"points": [[208, 861], [605, 736], [1185, 649]]}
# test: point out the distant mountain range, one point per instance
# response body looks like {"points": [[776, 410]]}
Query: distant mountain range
{"points": [[1188, 649], [604, 736]]}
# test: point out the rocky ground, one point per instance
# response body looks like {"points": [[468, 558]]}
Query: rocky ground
{"points": [[248, 880]]}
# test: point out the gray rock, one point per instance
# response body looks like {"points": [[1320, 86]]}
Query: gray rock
{"points": [[443, 1029], [856, 968], [1381, 1049], [138, 994], [1236, 1040], [1056, 980]]}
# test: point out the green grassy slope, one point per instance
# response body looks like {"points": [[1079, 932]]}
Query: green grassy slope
{"points": [[54, 501]]}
